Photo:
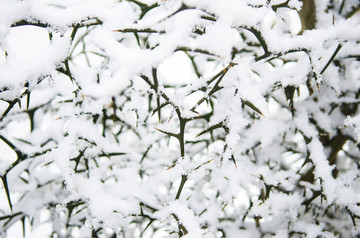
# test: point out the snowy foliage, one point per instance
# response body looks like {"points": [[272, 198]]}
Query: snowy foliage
{"points": [[182, 118]]}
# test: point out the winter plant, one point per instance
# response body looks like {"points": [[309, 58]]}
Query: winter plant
{"points": [[192, 118]]}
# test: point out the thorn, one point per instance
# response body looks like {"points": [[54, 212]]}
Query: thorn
{"points": [[167, 133], [170, 167], [159, 130], [211, 128], [27, 101], [7, 192], [252, 106], [233, 159]]}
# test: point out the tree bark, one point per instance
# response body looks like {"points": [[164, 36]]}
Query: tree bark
{"points": [[307, 15]]}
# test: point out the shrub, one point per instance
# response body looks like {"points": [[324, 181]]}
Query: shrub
{"points": [[189, 118]]}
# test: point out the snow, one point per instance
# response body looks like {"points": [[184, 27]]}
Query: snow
{"points": [[110, 130], [354, 122], [16, 72]]}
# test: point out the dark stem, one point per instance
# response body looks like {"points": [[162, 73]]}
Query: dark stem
{"points": [[331, 58], [182, 183]]}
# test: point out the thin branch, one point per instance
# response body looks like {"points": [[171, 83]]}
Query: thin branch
{"points": [[331, 58], [134, 30]]}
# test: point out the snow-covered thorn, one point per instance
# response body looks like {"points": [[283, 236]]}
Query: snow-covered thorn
{"points": [[194, 111], [171, 116], [103, 154], [7, 192], [252, 106], [73, 33], [133, 30], [211, 128], [232, 64], [27, 101], [233, 160], [171, 166], [206, 162], [167, 133]]}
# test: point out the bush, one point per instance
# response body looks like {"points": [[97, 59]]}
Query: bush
{"points": [[189, 118]]}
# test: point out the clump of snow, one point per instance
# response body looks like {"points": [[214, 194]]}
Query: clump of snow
{"points": [[355, 123]]}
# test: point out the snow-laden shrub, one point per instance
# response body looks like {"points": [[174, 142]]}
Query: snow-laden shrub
{"points": [[192, 118]]}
